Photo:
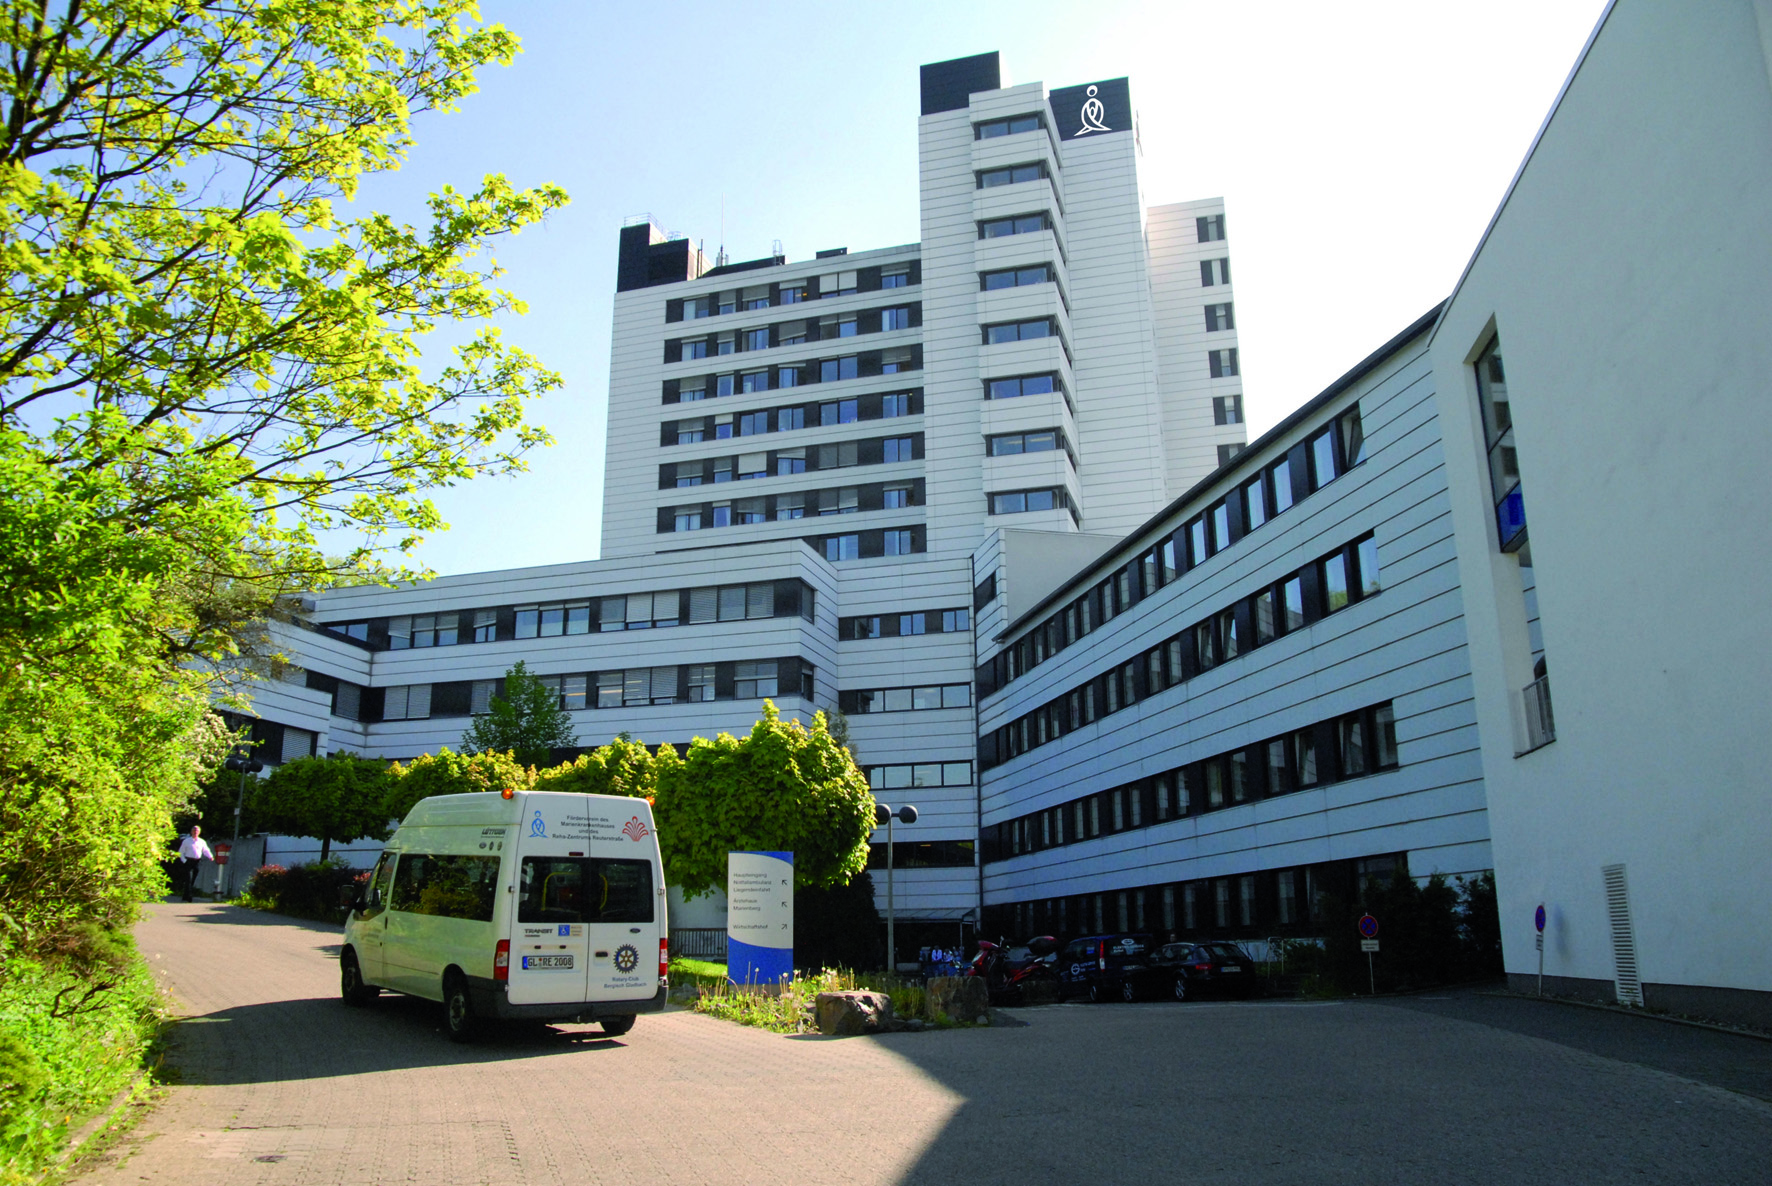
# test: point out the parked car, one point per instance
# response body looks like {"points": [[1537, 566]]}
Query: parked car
{"points": [[1200, 968], [1110, 968]]}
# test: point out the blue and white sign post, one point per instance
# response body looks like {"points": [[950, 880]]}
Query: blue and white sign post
{"points": [[760, 917], [1538, 922]]}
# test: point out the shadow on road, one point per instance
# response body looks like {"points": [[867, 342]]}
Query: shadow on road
{"points": [[320, 1038]]}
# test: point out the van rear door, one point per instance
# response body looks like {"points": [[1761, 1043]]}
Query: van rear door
{"points": [[549, 946], [622, 922]]}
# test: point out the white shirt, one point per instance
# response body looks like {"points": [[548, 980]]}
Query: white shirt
{"points": [[193, 848]]}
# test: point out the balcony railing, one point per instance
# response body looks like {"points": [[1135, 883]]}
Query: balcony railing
{"points": [[1540, 726]]}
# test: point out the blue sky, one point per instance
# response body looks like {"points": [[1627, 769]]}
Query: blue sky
{"points": [[1361, 150]]}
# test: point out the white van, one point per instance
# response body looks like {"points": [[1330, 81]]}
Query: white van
{"points": [[542, 906]]}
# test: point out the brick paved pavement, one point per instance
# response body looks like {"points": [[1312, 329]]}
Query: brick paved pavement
{"points": [[282, 1084]]}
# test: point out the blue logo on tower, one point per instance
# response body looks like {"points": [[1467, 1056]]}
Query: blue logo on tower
{"points": [[536, 827]]}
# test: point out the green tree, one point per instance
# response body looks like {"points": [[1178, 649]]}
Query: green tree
{"points": [[784, 787], [525, 721], [342, 798], [449, 773], [623, 767], [209, 359], [192, 301]]}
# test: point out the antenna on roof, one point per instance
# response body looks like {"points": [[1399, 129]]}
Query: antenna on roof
{"points": [[720, 260]]}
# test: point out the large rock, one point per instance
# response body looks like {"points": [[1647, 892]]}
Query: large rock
{"points": [[963, 998], [846, 1013]]}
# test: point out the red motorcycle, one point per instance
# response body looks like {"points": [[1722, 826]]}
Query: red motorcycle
{"points": [[1006, 970]]}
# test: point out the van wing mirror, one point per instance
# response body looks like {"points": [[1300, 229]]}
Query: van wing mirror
{"points": [[348, 897]]}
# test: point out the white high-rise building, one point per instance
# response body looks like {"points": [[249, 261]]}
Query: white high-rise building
{"points": [[804, 456]]}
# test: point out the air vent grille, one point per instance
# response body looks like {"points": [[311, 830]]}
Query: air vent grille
{"points": [[1624, 944]]}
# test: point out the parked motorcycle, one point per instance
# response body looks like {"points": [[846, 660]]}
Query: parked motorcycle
{"points": [[1006, 971]]}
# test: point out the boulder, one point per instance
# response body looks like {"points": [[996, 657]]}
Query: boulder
{"points": [[845, 1013], [963, 998]]}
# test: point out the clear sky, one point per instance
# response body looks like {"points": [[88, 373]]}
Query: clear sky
{"points": [[1360, 149]]}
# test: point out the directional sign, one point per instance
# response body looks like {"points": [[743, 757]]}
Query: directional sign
{"points": [[1368, 926], [1538, 918]]}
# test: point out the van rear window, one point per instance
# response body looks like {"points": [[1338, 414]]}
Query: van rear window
{"points": [[584, 889]]}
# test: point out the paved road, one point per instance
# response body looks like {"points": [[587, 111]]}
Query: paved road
{"points": [[282, 1084]]}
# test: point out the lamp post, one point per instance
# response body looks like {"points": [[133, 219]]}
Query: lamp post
{"points": [[243, 761], [885, 815]]}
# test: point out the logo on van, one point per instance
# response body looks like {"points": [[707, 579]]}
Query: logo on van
{"points": [[536, 827], [635, 830], [626, 958]]}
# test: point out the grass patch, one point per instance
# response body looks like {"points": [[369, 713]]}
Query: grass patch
{"points": [[60, 1065], [793, 1010]]}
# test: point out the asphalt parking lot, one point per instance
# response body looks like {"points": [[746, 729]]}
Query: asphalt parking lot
{"points": [[279, 1083]]}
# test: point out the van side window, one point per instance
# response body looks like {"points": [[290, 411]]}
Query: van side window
{"points": [[577, 889], [446, 886], [379, 881]]}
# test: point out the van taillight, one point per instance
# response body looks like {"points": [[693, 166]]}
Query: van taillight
{"points": [[1101, 956], [664, 959], [501, 960]]}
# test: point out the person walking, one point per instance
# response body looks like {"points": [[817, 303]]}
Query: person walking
{"points": [[192, 850]]}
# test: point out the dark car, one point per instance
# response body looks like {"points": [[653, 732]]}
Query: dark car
{"points": [[1110, 968], [1199, 968]]}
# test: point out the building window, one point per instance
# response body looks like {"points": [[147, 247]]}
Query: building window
{"points": [[1019, 331], [790, 506], [787, 377], [1214, 272], [1228, 452], [790, 461], [1222, 363], [895, 405], [895, 497], [1017, 501], [832, 370], [895, 278], [485, 625], [1016, 277], [694, 348], [1324, 463], [1227, 409], [846, 327], [891, 319], [1498, 436], [899, 541], [955, 619], [835, 284], [753, 681], [698, 683], [1008, 127], [1019, 386], [754, 381], [897, 449], [1210, 229], [1010, 444], [791, 294], [694, 307], [1353, 438], [920, 774], [753, 423], [756, 339], [1020, 224], [725, 344], [1255, 502], [1219, 317], [842, 547], [688, 519], [1012, 175]]}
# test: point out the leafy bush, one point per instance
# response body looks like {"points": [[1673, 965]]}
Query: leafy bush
{"points": [[95, 1052], [303, 891]]}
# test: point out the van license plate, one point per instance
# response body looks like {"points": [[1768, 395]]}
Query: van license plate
{"points": [[1226, 968], [548, 961]]}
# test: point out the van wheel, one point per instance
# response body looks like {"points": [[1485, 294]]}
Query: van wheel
{"points": [[1180, 988], [1128, 991], [1096, 996], [458, 1009], [350, 982], [615, 1027]]}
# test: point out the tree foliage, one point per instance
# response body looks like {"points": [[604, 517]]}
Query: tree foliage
{"points": [[342, 798], [449, 773], [783, 787], [525, 720], [209, 358]]}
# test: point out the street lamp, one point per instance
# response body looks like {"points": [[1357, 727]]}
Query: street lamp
{"points": [[885, 815], [243, 761]]}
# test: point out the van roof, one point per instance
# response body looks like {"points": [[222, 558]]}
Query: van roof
{"points": [[492, 808]]}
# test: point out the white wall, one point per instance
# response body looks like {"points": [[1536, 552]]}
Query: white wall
{"points": [[1628, 275]]}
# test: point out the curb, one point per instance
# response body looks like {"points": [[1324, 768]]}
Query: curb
{"points": [[98, 1123], [1625, 1011]]}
